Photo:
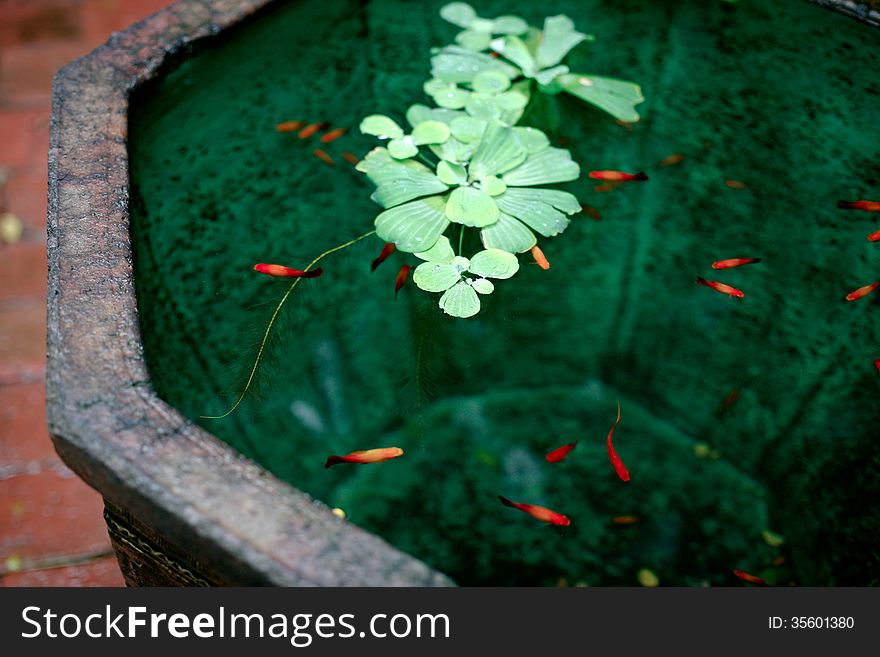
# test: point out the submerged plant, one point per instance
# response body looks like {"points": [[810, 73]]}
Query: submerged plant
{"points": [[467, 162]]}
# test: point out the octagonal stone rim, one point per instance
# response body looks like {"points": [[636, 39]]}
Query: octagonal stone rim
{"points": [[232, 518]]}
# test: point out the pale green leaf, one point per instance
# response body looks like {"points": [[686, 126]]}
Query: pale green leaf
{"points": [[460, 301], [441, 252], [481, 25], [509, 25], [453, 150], [533, 139], [482, 107], [436, 277], [560, 200], [550, 165], [491, 82], [451, 173], [430, 132], [493, 185], [494, 263], [471, 207], [381, 168], [381, 126], [559, 38], [617, 97], [467, 129], [515, 49], [483, 285], [457, 64], [402, 148], [458, 13], [500, 150], [419, 113], [508, 234], [512, 104], [473, 40], [547, 76], [415, 225], [404, 184], [522, 203]]}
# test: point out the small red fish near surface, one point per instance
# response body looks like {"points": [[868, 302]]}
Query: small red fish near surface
{"points": [[280, 271], [670, 160], [289, 126], [540, 258], [366, 456], [607, 187], [324, 157], [874, 237], [721, 287], [735, 184], [751, 579], [387, 250], [862, 291], [618, 176], [734, 262], [624, 124], [619, 467], [593, 212], [866, 206], [560, 453], [333, 135], [401, 279], [877, 365], [624, 520], [351, 158], [730, 399], [538, 512], [311, 129]]}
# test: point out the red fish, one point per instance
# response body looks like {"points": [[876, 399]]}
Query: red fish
{"points": [[366, 456], [289, 126], [607, 187], [721, 287], [324, 157], [538, 512], [280, 271], [751, 579], [624, 520], [670, 160], [333, 135], [866, 206], [619, 467], [560, 453], [877, 365], [731, 398], [540, 258], [862, 291], [401, 279], [735, 184], [351, 158], [387, 250], [311, 129], [624, 124], [734, 262], [593, 212], [874, 237], [617, 176]]}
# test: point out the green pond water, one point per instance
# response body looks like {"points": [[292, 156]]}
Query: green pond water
{"points": [[782, 96]]}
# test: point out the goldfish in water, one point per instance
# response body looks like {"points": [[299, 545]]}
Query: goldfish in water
{"points": [[311, 129], [670, 160], [387, 250], [351, 158], [721, 287], [401, 279], [593, 212], [874, 237], [751, 579], [735, 184], [617, 176], [862, 291], [877, 365], [324, 157], [365, 456], [560, 453], [734, 262], [280, 271], [289, 126], [540, 258], [624, 520], [538, 512], [333, 135], [865, 206], [619, 467]]}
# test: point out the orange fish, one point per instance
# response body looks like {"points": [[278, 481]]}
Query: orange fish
{"points": [[333, 135], [877, 365], [624, 124], [731, 398], [280, 271], [593, 212], [669, 160], [538, 512], [564, 141], [619, 467], [607, 187], [539, 257], [734, 262], [617, 176], [289, 126], [735, 184], [350, 158], [401, 279], [866, 206], [387, 250], [874, 237], [721, 287], [324, 157], [862, 291], [751, 579], [366, 456], [311, 129], [560, 453], [624, 520]]}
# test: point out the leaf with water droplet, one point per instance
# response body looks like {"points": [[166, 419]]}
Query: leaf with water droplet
{"points": [[415, 225], [617, 97], [381, 126], [494, 263], [460, 301], [471, 207]]}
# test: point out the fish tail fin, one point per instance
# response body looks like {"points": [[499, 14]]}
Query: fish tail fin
{"points": [[332, 460], [845, 205], [641, 175], [313, 273], [701, 281], [375, 264], [506, 502]]}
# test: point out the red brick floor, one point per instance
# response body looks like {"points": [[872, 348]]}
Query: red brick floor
{"points": [[51, 529]]}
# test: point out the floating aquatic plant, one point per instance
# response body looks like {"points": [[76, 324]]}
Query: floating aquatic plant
{"points": [[467, 162]]}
